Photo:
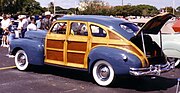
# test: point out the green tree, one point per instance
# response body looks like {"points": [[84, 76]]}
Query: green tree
{"points": [[147, 10], [21, 6], [94, 7], [139, 10], [168, 9], [51, 7], [73, 11], [8, 6], [178, 9], [123, 10]]}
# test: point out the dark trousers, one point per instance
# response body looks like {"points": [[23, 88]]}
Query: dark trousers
{"points": [[23, 33]]}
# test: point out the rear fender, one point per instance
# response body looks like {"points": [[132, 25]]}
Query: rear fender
{"points": [[116, 57]]}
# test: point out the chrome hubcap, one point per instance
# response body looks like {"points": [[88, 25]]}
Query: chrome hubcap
{"points": [[103, 72], [21, 59]]}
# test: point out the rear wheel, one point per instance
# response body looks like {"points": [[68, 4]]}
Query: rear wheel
{"points": [[103, 73], [21, 60], [175, 60]]}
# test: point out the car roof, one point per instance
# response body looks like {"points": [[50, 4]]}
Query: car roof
{"points": [[111, 22], [105, 20]]}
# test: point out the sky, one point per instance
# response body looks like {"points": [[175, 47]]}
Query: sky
{"points": [[73, 3]]}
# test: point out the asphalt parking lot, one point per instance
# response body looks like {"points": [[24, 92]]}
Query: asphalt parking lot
{"points": [[50, 79]]}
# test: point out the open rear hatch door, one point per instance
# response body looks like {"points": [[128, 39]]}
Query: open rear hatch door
{"points": [[154, 25]]}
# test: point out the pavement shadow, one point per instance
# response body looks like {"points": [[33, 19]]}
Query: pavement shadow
{"points": [[146, 83], [63, 72]]}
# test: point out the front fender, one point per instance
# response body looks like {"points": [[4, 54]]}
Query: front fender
{"points": [[115, 57], [34, 50], [172, 49]]}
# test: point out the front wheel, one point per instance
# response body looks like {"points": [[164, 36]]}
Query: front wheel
{"points": [[175, 60], [103, 73], [21, 60]]}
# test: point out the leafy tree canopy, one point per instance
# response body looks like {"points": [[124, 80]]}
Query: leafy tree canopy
{"points": [[20, 6], [87, 7]]}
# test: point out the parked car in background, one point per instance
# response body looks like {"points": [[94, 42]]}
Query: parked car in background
{"points": [[104, 46], [140, 21], [171, 45]]}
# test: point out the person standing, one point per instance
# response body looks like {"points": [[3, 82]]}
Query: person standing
{"points": [[39, 23], [32, 25], [22, 26], [11, 29], [47, 20], [4, 25], [25, 24]]}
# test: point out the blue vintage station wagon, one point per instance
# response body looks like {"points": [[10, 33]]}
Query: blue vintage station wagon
{"points": [[104, 46]]}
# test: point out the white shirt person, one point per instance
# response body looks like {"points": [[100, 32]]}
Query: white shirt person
{"points": [[22, 26], [32, 26]]}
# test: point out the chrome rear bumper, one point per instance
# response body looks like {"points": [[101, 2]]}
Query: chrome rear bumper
{"points": [[152, 70]]}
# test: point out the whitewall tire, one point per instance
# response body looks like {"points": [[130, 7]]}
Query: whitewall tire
{"points": [[21, 60], [103, 73]]}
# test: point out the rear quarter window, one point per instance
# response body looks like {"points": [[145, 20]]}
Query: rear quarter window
{"points": [[98, 31], [129, 27]]}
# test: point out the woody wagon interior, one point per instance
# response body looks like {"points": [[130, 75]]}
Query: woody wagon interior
{"points": [[150, 48]]}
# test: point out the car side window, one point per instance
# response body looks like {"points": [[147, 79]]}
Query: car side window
{"points": [[59, 28], [98, 31], [78, 28]]}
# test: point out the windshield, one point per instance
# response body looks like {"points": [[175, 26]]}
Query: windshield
{"points": [[129, 27]]}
